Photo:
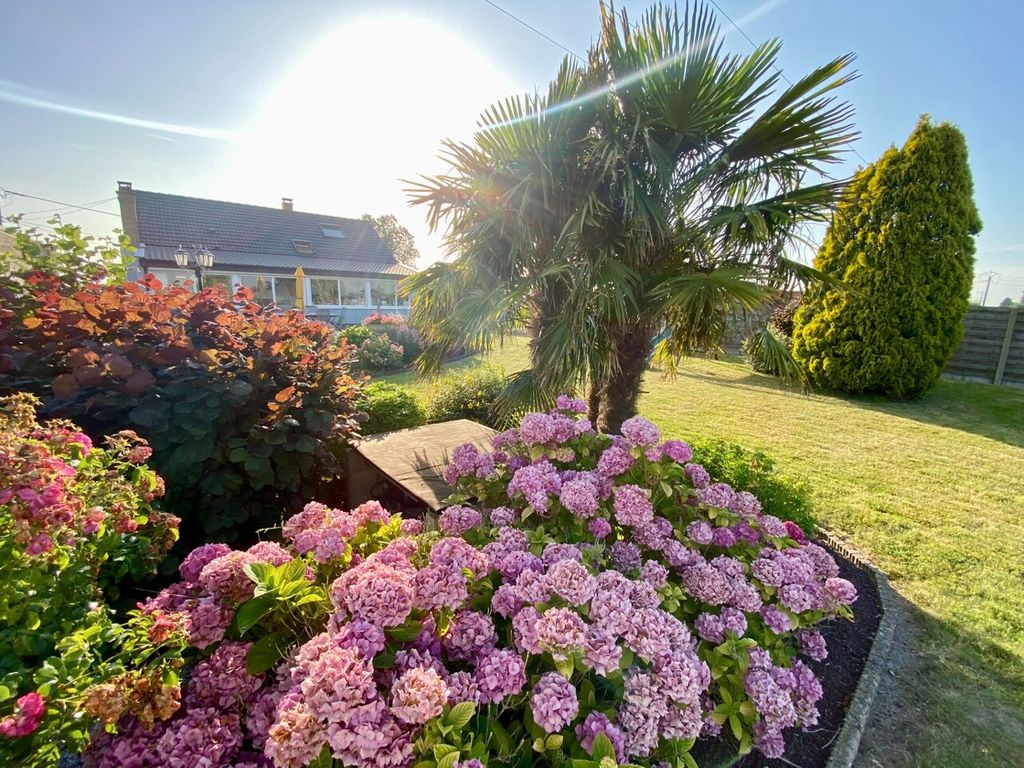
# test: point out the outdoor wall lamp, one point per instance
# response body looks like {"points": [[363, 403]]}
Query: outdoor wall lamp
{"points": [[203, 261]]}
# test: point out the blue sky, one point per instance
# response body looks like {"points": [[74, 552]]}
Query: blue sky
{"points": [[332, 103]]}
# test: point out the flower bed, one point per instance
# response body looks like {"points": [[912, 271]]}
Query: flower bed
{"points": [[603, 602], [75, 519]]}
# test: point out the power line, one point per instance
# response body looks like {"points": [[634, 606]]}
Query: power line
{"points": [[717, 7], [534, 29], [57, 202]]}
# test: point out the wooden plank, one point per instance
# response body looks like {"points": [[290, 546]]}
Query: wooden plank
{"points": [[1011, 322], [415, 458]]}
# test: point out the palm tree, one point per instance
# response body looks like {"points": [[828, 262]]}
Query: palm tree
{"points": [[655, 189]]}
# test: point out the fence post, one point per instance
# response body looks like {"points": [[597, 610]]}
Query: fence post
{"points": [[1004, 353]]}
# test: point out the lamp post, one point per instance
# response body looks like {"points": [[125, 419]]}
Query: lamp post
{"points": [[203, 259]]}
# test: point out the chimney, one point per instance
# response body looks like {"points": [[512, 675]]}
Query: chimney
{"points": [[129, 215], [286, 203]]}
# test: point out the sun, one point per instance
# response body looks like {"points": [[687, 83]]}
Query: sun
{"points": [[364, 106]]}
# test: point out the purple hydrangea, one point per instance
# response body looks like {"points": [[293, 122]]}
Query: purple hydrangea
{"points": [[594, 724], [625, 555], [553, 702], [698, 475], [700, 532], [638, 431], [579, 497], [470, 634], [502, 516], [360, 634], [718, 495], [499, 674], [599, 528], [812, 644], [677, 450], [556, 551], [456, 520], [633, 505], [614, 461], [570, 404]]}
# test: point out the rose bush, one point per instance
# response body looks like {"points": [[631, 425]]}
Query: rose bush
{"points": [[603, 602], [74, 519]]}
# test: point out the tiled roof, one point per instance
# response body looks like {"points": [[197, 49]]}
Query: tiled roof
{"points": [[311, 265], [173, 220]]}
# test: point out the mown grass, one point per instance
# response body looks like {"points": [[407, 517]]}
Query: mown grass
{"points": [[932, 491]]}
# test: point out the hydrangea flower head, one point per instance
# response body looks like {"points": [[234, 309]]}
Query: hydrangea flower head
{"points": [[553, 702], [638, 431]]}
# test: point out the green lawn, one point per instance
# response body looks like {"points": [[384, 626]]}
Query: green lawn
{"points": [[933, 492]]}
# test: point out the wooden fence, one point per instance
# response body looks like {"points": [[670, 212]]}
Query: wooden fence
{"points": [[993, 347]]}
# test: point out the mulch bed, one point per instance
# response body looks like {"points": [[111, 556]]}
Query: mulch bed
{"points": [[849, 643]]}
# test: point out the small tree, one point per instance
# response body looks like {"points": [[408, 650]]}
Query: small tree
{"points": [[398, 238], [902, 241]]}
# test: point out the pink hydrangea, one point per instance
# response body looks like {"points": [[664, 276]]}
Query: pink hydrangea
{"points": [[418, 695], [436, 587], [270, 552], [297, 736], [571, 581], [225, 579], [197, 559], [379, 593], [560, 632]]}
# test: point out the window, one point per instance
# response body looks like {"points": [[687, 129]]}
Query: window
{"points": [[382, 292], [219, 279], [353, 292], [323, 291], [260, 287], [284, 291], [168, 279], [332, 230], [302, 246]]}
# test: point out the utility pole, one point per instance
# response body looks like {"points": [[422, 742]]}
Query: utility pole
{"points": [[988, 284]]}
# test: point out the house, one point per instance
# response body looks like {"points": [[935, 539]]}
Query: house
{"points": [[349, 271]]}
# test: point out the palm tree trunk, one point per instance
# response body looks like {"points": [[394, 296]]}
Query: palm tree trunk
{"points": [[594, 401], [622, 389]]}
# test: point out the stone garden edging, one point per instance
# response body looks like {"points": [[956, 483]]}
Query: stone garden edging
{"points": [[847, 743]]}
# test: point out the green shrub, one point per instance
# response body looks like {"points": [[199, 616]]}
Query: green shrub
{"points": [[244, 408], [468, 394], [902, 241], [379, 353], [785, 497], [357, 334], [390, 407], [401, 334]]}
